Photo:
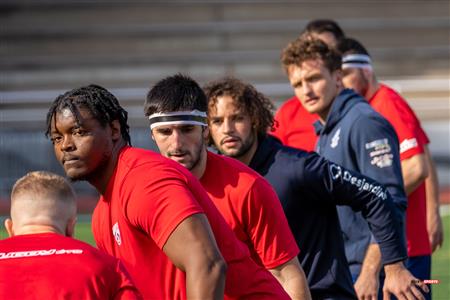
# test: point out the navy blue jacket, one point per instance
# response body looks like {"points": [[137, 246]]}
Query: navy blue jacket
{"points": [[358, 138], [309, 188]]}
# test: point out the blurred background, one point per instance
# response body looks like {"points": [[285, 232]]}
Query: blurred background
{"points": [[49, 47]]}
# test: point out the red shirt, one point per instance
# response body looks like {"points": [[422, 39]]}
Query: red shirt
{"points": [[147, 197], [294, 125], [251, 208], [412, 139], [52, 266]]}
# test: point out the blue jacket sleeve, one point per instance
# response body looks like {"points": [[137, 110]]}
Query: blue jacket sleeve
{"points": [[376, 144], [343, 187]]}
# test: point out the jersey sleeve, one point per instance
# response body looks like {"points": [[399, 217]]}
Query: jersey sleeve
{"points": [[361, 193], [159, 200], [269, 229], [375, 146], [407, 127]]}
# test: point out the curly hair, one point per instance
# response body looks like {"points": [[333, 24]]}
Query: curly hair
{"points": [[246, 97], [305, 48], [103, 106]]}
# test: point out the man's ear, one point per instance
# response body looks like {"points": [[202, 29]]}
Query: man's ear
{"points": [[70, 228], [368, 73], [338, 75], [205, 133], [9, 227], [115, 130]]}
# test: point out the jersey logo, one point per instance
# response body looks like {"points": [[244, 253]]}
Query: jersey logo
{"points": [[359, 182], [335, 171], [335, 139], [116, 233], [380, 153], [408, 144]]}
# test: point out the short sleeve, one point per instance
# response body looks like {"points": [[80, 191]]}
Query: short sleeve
{"points": [[269, 229], [159, 200]]}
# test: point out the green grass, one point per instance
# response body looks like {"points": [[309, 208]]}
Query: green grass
{"points": [[440, 268], [82, 232], [440, 263]]}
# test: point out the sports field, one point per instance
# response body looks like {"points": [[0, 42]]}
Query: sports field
{"points": [[440, 268]]}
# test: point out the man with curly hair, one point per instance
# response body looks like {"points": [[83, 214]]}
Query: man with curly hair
{"points": [[352, 134], [308, 186]]}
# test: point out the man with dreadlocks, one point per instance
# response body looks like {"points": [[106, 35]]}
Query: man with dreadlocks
{"points": [[152, 213]]}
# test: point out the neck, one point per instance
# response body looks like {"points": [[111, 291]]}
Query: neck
{"points": [[100, 180], [200, 168], [323, 115], [34, 229]]}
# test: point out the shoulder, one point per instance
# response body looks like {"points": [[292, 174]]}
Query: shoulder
{"points": [[230, 165], [145, 165]]}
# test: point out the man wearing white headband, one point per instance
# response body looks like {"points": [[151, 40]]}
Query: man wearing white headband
{"points": [[176, 107], [419, 174]]}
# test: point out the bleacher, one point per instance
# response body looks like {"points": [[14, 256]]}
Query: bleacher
{"points": [[49, 47]]}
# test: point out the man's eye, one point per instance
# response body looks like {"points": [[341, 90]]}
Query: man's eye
{"points": [[55, 139], [216, 122], [164, 131], [79, 133]]}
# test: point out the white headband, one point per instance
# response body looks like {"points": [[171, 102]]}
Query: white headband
{"points": [[194, 117], [361, 61]]}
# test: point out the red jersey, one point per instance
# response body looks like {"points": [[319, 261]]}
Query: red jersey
{"points": [[147, 197], [251, 208], [294, 125], [52, 266], [412, 138]]}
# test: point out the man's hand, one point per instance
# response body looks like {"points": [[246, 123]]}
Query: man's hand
{"points": [[366, 286], [435, 231], [402, 284]]}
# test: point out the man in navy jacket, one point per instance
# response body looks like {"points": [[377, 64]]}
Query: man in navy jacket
{"points": [[309, 188]]}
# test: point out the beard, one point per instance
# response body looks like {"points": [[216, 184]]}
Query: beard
{"points": [[246, 146]]}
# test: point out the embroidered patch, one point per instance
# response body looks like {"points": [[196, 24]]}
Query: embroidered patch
{"points": [[408, 144], [335, 139], [380, 153], [116, 233]]}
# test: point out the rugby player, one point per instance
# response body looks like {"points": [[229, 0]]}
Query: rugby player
{"points": [[176, 108], [41, 260], [309, 188], [153, 214]]}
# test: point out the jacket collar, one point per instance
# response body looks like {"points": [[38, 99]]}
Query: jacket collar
{"points": [[267, 146], [340, 107]]}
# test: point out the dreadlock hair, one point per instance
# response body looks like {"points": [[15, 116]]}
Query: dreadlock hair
{"points": [[175, 93], [246, 97], [303, 49], [324, 25], [103, 106]]}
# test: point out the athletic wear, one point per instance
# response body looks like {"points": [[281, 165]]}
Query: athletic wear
{"points": [[294, 125], [309, 188], [361, 140], [52, 266], [147, 197], [412, 139], [251, 208]]}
